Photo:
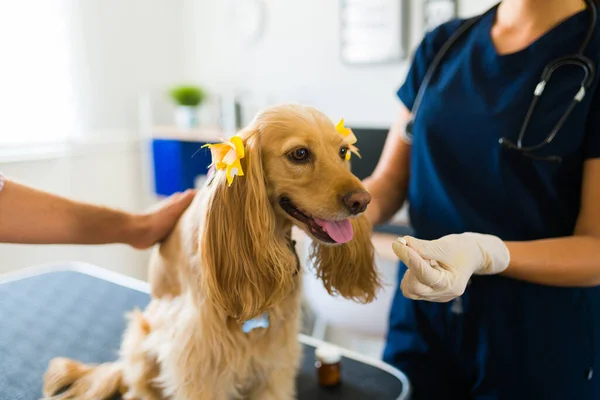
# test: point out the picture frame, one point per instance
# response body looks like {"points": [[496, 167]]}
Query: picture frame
{"points": [[373, 32], [437, 12]]}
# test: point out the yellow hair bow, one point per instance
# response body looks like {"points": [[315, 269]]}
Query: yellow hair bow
{"points": [[227, 155], [349, 138]]}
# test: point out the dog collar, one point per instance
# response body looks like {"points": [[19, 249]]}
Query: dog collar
{"points": [[262, 321]]}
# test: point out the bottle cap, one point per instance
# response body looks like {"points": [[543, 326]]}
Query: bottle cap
{"points": [[328, 354]]}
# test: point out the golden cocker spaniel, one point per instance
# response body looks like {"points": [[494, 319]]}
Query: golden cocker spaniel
{"points": [[224, 315]]}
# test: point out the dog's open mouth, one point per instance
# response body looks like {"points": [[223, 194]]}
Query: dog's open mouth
{"points": [[329, 231]]}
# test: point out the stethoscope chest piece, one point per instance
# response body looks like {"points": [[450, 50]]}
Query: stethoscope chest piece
{"points": [[408, 130]]}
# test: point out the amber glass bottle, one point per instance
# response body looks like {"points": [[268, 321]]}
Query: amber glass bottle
{"points": [[328, 366]]}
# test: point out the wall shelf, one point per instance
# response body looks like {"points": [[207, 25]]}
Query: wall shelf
{"points": [[206, 133]]}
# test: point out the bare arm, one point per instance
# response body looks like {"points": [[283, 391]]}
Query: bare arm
{"points": [[31, 216], [389, 182], [568, 261]]}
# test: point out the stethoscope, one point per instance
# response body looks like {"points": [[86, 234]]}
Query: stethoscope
{"points": [[577, 59]]}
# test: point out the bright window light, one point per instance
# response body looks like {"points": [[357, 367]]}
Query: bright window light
{"points": [[36, 81]]}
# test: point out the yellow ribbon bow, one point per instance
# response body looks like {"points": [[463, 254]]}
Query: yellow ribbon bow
{"points": [[349, 138], [227, 155]]}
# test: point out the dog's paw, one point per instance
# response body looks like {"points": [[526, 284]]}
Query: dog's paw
{"points": [[82, 382], [61, 373]]}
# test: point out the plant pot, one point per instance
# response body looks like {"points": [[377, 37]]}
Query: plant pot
{"points": [[186, 117]]}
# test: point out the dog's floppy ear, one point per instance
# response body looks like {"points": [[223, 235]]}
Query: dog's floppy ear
{"points": [[348, 269], [245, 268]]}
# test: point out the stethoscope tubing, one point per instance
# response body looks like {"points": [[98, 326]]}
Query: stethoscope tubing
{"points": [[578, 59]]}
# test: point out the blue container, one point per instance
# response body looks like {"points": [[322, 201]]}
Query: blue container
{"points": [[177, 164]]}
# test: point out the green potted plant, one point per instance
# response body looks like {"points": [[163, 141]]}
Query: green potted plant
{"points": [[188, 98]]}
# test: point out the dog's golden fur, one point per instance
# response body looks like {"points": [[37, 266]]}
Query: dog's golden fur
{"points": [[228, 260]]}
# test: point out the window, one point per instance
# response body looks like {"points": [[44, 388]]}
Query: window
{"points": [[36, 82]]}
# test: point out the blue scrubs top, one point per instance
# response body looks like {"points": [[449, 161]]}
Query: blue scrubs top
{"points": [[506, 339], [462, 179]]}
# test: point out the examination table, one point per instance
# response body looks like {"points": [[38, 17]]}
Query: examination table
{"points": [[77, 311]]}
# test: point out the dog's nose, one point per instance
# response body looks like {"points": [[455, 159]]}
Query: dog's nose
{"points": [[357, 202]]}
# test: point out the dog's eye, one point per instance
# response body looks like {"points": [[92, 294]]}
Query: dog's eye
{"points": [[301, 154], [343, 152]]}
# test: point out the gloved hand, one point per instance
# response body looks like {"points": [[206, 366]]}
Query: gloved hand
{"points": [[439, 270]]}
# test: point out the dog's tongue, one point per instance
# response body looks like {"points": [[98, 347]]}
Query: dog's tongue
{"points": [[340, 231]]}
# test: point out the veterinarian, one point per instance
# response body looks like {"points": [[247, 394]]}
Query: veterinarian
{"points": [[31, 216], [498, 294]]}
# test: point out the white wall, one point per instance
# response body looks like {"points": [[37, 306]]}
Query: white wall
{"points": [[124, 49], [298, 58]]}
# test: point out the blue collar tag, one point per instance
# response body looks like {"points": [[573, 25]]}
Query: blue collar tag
{"points": [[262, 321]]}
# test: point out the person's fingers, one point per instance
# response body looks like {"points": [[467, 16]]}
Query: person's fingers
{"points": [[177, 203], [163, 203], [413, 288], [430, 249], [186, 197], [422, 268]]}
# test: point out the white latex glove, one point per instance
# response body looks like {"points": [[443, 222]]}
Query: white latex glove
{"points": [[439, 270]]}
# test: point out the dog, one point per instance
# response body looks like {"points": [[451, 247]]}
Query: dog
{"points": [[224, 315]]}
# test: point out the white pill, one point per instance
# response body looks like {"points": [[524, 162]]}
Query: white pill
{"points": [[401, 240]]}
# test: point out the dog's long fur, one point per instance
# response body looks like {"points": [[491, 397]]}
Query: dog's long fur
{"points": [[228, 260]]}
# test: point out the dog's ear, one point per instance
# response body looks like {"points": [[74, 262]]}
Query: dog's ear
{"points": [[349, 269], [245, 267]]}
